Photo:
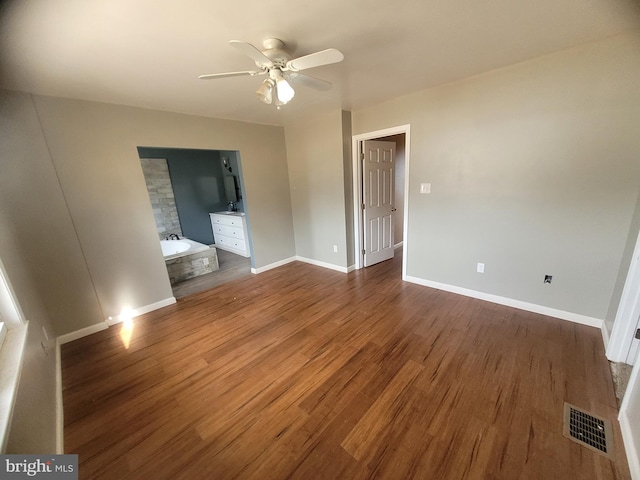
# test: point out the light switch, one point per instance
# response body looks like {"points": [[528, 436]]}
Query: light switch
{"points": [[425, 188], [480, 268]]}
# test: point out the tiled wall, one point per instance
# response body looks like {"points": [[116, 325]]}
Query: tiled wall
{"points": [[156, 175], [189, 266]]}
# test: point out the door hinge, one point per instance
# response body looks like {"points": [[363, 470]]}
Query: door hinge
{"points": [[638, 334], [362, 156], [363, 251], [363, 206]]}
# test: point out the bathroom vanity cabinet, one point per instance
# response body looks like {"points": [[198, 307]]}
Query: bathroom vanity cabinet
{"points": [[230, 232]]}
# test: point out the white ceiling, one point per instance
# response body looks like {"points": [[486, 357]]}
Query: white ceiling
{"points": [[149, 53]]}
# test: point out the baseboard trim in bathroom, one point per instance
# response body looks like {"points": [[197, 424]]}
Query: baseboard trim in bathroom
{"points": [[586, 429]]}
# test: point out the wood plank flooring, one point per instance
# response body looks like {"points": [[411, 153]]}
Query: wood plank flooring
{"points": [[302, 372]]}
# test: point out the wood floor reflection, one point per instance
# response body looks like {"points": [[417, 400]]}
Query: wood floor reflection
{"points": [[303, 372]]}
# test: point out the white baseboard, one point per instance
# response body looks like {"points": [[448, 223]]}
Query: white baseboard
{"points": [[605, 335], [317, 263], [398, 245], [509, 302], [136, 312], [83, 332], [311, 261], [271, 266]]}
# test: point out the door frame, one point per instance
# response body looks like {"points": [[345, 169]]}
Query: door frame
{"points": [[619, 344], [358, 227], [628, 424]]}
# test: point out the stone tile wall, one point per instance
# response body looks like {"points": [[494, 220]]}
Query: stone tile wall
{"points": [[189, 266], [156, 175]]}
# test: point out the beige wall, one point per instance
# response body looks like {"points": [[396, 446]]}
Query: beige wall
{"points": [[32, 210], [80, 211], [315, 154], [348, 186], [534, 170], [77, 235]]}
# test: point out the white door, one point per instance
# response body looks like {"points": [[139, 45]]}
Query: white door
{"points": [[635, 345], [378, 169], [629, 418]]}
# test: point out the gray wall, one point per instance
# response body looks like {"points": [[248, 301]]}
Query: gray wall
{"points": [[534, 170], [348, 185], [197, 183], [315, 155]]}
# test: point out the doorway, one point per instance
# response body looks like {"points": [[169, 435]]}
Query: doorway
{"points": [[623, 344], [401, 136], [185, 187]]}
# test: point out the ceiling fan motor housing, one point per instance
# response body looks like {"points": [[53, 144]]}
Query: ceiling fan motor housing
{"points": [[274, 50]]}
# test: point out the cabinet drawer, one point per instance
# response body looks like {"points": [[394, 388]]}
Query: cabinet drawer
{"points": [[226, 220], [235, 243], [235, 232]]}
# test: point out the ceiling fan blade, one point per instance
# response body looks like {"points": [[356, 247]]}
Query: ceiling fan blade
{"points": [[324, 57], [210, 76], [252, 52], [308, 81]]}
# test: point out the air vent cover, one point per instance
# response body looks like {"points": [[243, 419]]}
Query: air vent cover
{"points": [[588, 430]]}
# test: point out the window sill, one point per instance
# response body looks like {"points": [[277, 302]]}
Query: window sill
{"points": [[11, 355]]}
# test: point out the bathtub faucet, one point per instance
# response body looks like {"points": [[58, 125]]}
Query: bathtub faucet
{"points": [[173, 236]]}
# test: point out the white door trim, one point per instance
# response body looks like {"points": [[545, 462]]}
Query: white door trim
{"points": [[358, 233], [628, 418], [628, 311]]}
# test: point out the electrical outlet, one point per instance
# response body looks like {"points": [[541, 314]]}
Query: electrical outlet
{"points": [[425, 188], [548, 278], [335, 249], [480, 268]]}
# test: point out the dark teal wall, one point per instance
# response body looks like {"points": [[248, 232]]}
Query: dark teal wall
{"points": [[197, 179]]}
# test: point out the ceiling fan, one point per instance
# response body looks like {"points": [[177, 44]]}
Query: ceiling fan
{"points": [[282, 70]]}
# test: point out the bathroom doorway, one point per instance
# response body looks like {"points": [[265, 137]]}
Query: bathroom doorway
{"points": [[185, 186]]}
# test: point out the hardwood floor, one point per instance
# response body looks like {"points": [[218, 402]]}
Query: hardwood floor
{"points": [[303, 372]]}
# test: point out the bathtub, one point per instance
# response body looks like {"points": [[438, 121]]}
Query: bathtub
{"points": [[179, 248]]}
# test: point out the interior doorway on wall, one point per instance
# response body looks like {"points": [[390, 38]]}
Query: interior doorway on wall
{"points": [[187, 186], [400, 136]]}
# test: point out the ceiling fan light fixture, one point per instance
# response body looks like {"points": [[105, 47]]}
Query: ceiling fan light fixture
{"points": [[284, 91], [265, 91], [275, 61]]}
